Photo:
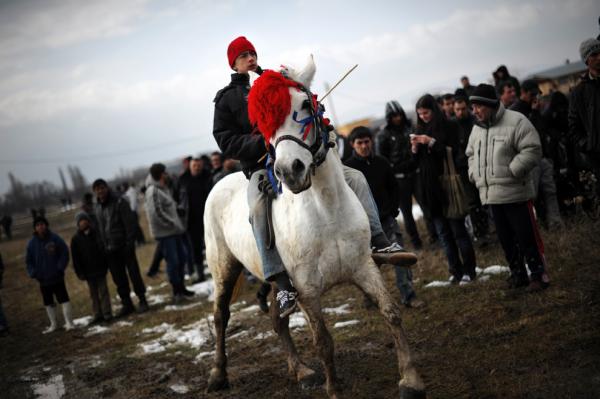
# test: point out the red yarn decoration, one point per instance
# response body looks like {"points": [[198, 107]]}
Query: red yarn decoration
{"points": [[269, 102]]}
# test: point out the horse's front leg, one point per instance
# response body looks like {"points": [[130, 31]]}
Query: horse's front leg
{"points": [[281, 327], [223, 291], [369, 279], [323, 342]]}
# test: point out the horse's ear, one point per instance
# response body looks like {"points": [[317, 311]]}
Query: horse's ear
{"points": [[307, 74], [253, 77]]}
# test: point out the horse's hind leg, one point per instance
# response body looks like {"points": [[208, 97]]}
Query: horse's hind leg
{"points": [[323, 342], [371, 282], [224, 284], [281, 327]]}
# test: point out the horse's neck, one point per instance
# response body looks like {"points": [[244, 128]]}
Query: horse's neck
{"points": [[329, 187]]}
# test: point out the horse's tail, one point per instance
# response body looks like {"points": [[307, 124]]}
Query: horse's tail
{"points": [[237, 288]]}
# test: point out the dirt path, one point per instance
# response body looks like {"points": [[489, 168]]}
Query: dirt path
{"points": [[472, 341]]}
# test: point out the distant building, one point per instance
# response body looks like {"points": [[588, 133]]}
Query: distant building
{"points": [[562, 78]]}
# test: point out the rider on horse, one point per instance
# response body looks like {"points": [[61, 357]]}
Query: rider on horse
{"points": [[236, 139]]}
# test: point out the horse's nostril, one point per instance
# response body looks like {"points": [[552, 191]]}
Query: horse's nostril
{"points": [[297, 166]]}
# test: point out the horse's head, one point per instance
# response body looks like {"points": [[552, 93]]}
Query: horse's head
{"points": [[289, 117]]}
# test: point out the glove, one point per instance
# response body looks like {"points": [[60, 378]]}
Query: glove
{"points": [[265, 186]]}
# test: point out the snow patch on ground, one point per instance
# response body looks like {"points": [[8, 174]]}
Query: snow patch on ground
{"points": [[157, 299], [253, 308], [182, 307], [264, 335], [54, 388], [123, 323], [83, 321], [438, 284], [297, 320], [161, 328], [483, 275], [96, 330], [416, 211], [180, 388], [342, 309], [204, 289], [341, 324], [194, 335], [496, 269]]}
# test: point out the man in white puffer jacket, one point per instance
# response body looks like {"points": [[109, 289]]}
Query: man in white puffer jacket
{"points": [[503, 148], [166, 227]]}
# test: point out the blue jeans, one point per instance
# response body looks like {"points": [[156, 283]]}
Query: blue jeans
{"points": [[403, 273], [172, 248], [257, 204], [455, 239]]}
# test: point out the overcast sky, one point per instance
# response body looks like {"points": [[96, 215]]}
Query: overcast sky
{"points": [[118, 84]]}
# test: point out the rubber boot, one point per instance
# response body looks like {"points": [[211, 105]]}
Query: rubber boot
{"points": [[68, 315], [51, 311]]}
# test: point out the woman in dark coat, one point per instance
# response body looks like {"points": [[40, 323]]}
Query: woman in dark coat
{"points": [[433, 134]]}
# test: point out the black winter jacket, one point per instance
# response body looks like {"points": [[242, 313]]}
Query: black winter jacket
{"points": [[116, 223], [88, 257], [584, 115], [380, 176], [197, 190], [431, 164], [232, 129], [393, 144]]}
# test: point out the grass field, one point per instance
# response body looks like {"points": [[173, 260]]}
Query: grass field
{"points": [[479, 340]]}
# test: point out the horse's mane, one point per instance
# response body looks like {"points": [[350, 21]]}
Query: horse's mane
{"points": [[269, 102]]}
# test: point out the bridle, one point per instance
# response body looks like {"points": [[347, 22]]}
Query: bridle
{"points": [[315, 120]]}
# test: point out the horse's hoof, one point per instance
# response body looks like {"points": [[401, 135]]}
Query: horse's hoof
{"points": [[411, 393], [217, 381], [395, 258]]}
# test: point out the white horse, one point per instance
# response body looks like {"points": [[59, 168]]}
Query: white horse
{"points": [[322, 235]]}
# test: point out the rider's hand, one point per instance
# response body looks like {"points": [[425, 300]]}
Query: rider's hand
{"points": [[265, 186]]}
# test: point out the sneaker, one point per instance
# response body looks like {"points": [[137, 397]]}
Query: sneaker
{"points": [[394, 254], [287, 302]]}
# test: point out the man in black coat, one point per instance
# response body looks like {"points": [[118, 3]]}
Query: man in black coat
{"points": [[90, 264], [584, 109], [198, 187], [393, 144], [383, 185], [116, 227]]}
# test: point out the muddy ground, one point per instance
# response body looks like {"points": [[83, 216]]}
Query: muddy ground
{"points": [[477, 340]]}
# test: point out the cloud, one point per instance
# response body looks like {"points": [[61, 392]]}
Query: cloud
{"points": [[37, 105], [58, 23]]}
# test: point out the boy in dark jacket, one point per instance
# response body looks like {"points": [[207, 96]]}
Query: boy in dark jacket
{"points": [[47, 259], [91, 265]]}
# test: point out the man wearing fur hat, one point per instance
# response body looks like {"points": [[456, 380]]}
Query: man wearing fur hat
{"points": [[503, 149], [584, 109]]}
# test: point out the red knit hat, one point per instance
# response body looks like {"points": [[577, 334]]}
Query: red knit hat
{"points": [[237, 47]]}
